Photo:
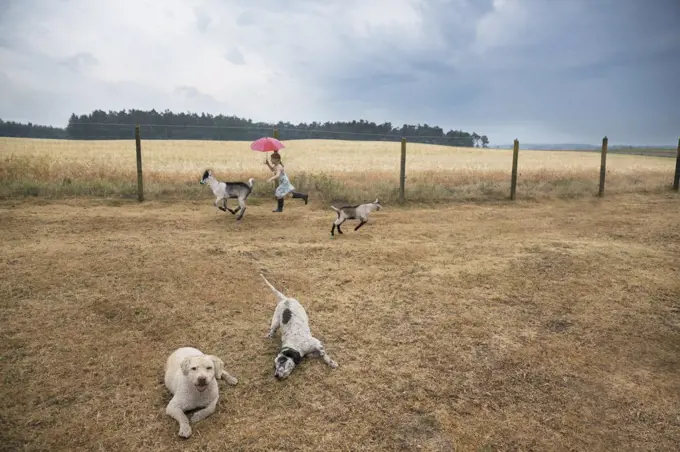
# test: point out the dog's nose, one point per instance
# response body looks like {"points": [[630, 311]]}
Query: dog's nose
{"points": [[201, 380]]}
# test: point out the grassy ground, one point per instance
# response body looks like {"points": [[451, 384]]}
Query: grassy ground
{"points": [[348, 171], [548, 326]]}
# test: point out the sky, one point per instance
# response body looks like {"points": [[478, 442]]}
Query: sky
{"points": [[542, 71]]}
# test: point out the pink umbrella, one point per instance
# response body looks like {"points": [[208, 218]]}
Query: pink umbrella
{"points": [[266, 144]]}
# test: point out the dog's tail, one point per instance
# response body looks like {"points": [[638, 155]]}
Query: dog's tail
{"points": [[279, 295]]}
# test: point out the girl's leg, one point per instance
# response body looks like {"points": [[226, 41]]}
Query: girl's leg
{"points": [[279, 205], [304, 196]]}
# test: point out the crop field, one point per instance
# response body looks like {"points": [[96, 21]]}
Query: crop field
{"points": [[551, 326], [331, 170]]}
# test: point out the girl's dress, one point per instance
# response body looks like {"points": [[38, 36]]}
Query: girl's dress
{"points": [[284, 186]]}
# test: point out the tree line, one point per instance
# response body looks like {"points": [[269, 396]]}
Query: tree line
{"points": [[17, 129], [167, 125]]}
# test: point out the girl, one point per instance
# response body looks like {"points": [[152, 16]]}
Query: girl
{"points": [[285, 186]]}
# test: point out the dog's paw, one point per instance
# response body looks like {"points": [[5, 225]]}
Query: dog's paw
{"points": [[267, 336], [232, 380], [333, 365], [185, 431]]}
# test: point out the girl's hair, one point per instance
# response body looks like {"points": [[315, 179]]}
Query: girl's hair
{"points": [[277, 156]]}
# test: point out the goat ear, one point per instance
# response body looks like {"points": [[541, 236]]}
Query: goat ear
{"points": [[186, 363], [219, 366]]}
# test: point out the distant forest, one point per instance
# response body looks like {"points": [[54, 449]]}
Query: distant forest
{"points": [[100, 125]]}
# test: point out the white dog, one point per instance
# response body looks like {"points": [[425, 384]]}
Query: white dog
{"points": [[191, 376], [296, 338]]}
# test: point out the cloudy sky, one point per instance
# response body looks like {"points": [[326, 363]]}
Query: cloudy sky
{"points": [[540, 70]]}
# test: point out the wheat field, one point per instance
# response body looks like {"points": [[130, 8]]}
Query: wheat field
{"points": [[330, 169]]}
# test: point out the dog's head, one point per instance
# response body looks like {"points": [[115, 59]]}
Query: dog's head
{"points": [[285, 362], [206, 175], [202, 370]]}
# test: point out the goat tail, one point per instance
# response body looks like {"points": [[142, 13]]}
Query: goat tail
{"points": [[251, 182], [278, 294]]}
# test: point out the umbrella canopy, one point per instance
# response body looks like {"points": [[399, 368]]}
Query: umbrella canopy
{"points": [[266, 144]]}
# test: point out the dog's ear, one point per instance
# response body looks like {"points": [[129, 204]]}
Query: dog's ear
{"points": [[186, 363], [219, 366]]}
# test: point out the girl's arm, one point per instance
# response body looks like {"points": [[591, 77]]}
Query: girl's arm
{"points": [[266, 162], [276, 175]]}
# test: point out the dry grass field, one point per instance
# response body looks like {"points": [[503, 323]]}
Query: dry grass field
{"points": [[332, 170], [551, 326]]}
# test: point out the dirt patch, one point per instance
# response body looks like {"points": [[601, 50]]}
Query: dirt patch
{"points": [[512, 327]]}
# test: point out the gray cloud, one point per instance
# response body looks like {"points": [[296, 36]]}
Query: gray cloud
{"points": [[246, 18], [235, 56], [80, 61], [203, 19], [541, 70]]}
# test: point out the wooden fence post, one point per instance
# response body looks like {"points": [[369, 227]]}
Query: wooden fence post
{"points": [[275, 134], [402, 173], [513, 180], [140, 182], [603, 165], [676, 179]]}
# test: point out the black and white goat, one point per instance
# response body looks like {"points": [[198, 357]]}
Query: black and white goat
{"points": [[229, 190], [359, 212]]}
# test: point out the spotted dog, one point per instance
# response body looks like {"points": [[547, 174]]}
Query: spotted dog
{"points": [[296, 337]]}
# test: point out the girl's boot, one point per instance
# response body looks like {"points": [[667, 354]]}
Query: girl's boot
{"points": [[304, 196], [279, 208]]}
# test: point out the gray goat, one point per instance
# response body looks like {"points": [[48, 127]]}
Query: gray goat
{"points": [[359, 212], [229, 190]]}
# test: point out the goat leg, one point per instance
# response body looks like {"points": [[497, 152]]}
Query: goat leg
{"points": [[360, 224], [219, 206], [243, 212], [241, 207], [231, 211]]}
